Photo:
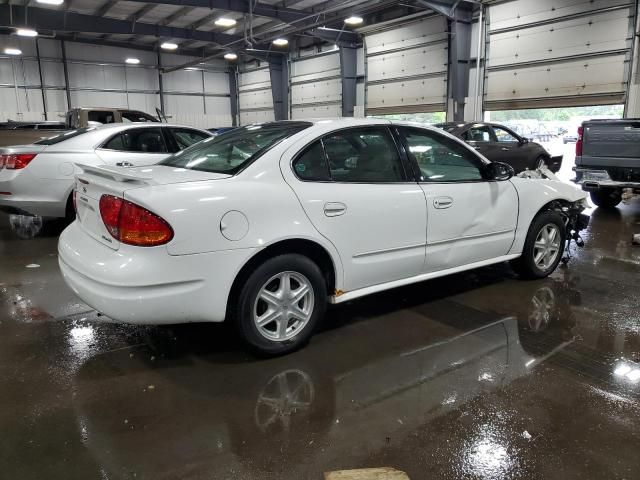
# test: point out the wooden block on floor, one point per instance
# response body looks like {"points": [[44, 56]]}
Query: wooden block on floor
{"points": [[385, 473]]}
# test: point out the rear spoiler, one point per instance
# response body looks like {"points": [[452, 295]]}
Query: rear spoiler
{"points": [[118, 174]]}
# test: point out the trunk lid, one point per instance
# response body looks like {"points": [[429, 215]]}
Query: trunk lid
{"points": [[96, 181]]}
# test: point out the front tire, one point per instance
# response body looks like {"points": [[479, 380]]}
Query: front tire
{"points": [[606, 197], [543, 247], [280, 304], [540, 162]]}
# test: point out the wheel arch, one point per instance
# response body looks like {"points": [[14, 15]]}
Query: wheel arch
{"points": [[309, 248]]}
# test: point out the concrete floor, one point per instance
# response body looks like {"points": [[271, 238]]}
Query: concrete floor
{"points": [[479, 375]]}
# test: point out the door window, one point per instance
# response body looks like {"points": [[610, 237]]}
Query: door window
{"points": [[504, 136], [363, 155], [312, 164], [143, 140], [100, 116], [477, 134], [185, 137], [441, 159]]}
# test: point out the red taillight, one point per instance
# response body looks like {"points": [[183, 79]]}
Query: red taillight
{"points": [[132, 224], [16, 161], [579, 141]]}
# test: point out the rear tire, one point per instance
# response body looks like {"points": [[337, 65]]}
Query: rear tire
{"points": [[606, 197], [543, 247], [280, 305]]}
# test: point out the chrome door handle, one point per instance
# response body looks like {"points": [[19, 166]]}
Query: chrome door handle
{"points": [[334, 209], [442, 202], [505, 149], [124, 164]]}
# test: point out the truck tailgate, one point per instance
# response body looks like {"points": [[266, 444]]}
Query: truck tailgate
{"points": [[611, 143]]}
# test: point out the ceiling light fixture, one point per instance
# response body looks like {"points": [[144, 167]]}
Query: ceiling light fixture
{"points": [[225, 22], [230, 56], [353, 20], [133, 61], [281, 42], [169, 46], [51, 2], [12, 51], [26, 32]]}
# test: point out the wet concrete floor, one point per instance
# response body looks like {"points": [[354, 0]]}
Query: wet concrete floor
{"points": [[478, 375]]}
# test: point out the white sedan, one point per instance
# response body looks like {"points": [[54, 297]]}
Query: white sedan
{"points": [[263, 225], [38, 179]]}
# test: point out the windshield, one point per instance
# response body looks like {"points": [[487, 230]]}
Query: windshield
{"points": [[64, 136], [229, 153]]}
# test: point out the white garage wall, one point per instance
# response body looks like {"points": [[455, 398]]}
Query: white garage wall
{"points": [[557, 53], [407, 67], [254, 95], [99, 77]]}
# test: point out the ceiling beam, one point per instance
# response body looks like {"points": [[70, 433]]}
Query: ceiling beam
{"points": [[102, 11], [46, 19], [283, 14]]}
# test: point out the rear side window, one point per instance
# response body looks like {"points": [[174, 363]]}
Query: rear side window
{"points": [[312, 164], [358, 155], [136, 117], [143, 140], [100, 116], [185, 137]]}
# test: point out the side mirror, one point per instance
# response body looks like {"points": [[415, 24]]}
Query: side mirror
{"points": [[524, 140], [498, 171]]}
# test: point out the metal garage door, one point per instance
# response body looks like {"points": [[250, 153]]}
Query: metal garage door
{"points": [[254, 96], [316, 87], [407, 68], [552, 53]]}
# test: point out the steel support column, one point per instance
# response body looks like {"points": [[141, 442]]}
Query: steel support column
{"points": [[160, 86], [279, 73], [233, 95], [66, 74], [459, 53], [42, 89], [348, 72]]}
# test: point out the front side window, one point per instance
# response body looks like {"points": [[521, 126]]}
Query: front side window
{"points": [[231, 152], [477, 134], [363, 155], [142, 140], [441, 159], [504, 136], [185, 137]]}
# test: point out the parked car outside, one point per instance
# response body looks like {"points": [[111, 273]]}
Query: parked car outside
{"points": [[500, 144], [38, 179], [263, 225]]}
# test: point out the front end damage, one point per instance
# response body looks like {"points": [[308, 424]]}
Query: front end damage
{"points": [[575, 221]]}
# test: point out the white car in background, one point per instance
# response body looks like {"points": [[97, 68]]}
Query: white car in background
{"points": [[38, 179], [263, 225]]}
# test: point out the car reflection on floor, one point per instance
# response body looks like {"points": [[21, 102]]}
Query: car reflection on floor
{"points": [[292, 416]]}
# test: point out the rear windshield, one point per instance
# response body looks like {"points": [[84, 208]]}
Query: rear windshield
{"points": [[64, 136], [231, 152]]}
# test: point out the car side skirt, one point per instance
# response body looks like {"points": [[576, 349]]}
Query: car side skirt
{"points": [[340, 297]]}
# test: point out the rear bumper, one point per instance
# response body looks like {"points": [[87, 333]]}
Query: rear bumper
{"points": [[25, 194], [147, 285], [594, 179]]}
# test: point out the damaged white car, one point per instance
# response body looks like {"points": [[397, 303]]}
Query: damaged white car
{"points": [[264, 225]]}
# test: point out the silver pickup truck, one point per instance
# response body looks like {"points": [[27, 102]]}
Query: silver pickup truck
{"points": [[608, 159]]}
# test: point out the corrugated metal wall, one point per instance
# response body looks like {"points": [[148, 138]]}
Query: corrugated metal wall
{"points": [[316, 86], [254, 96], [99, 77], [557, 53], [407, 67]]}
